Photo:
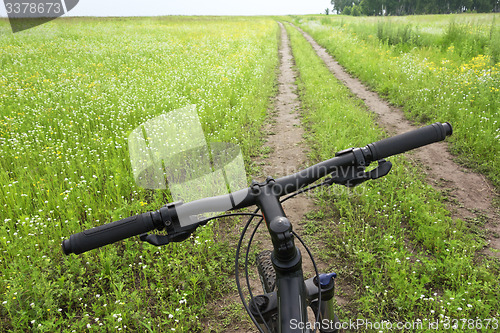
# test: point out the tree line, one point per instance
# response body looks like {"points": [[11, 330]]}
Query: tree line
{"points": [[410, 7]]}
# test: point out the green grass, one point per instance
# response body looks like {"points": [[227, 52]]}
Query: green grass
{"points": [[72, 90], [392, 240], [70, 93], [471, 34], [443, 81]]}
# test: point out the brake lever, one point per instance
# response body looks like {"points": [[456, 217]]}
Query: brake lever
{"points": [[381, 170], [160, 240], [353, 175], [157, 240]]}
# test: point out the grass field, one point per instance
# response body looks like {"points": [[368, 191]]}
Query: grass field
{"points": [[392, 240], [70, 93], [437, 67], [73, 89]]}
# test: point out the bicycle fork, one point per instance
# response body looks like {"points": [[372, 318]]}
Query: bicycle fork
{"points": [[266, 307], [286, 308]]}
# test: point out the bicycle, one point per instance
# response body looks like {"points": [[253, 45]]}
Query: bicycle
{"points": [[283, 305]]}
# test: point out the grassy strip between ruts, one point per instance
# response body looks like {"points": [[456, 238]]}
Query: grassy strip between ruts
{"points": [[452, 78], [391, 239]]}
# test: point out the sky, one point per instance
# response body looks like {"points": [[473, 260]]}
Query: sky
{"points": [[193, 7]]}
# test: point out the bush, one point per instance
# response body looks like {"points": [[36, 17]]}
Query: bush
{"points": [[356, 11]]}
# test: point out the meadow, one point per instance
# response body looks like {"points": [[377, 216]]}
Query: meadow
{"points": [[73, 89], [399, 254], [70, 93], [435, 66]]}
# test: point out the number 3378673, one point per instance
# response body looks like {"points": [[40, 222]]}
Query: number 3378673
{"points": [[33, 8]]}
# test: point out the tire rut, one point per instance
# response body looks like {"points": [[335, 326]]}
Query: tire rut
{"points": [[286, 141], [470, 193], [288, 154]]}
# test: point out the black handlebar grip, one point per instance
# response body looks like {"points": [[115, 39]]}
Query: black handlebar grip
{"points": [[403, 142], [109, 233]]}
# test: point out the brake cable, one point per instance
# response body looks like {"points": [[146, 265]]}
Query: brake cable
{"points": [[230, 214], [317, 277], [246, 271], [237, 277], [247, 254]]}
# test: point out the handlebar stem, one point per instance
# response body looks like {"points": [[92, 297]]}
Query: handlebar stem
{"points": [[285, 255]]}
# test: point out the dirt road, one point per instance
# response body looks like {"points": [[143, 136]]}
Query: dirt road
{"points": [[471, 195]]}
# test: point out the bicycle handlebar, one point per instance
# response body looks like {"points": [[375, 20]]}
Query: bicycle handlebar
{"points": [[143, 223], [108, 233], [410, 140]]}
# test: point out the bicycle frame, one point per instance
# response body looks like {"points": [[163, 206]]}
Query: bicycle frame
{"points": [[293, 294]]}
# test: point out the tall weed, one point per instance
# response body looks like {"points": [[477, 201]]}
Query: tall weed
{"points": [[465, 39]]}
